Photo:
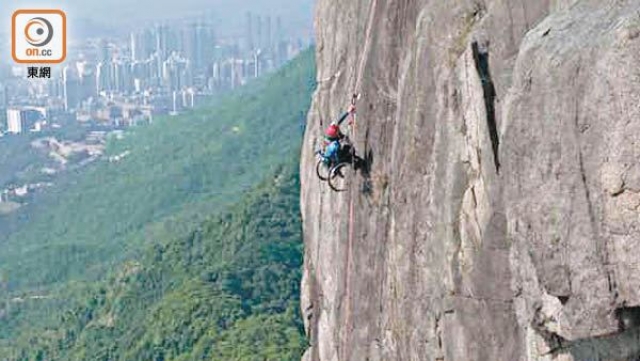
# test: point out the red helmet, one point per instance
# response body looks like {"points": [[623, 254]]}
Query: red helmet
{"points": [[333, 131]]}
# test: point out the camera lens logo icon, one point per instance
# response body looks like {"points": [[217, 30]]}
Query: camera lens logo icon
{"points": [[38, 32]]}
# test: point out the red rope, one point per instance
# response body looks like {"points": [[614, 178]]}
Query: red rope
{"points": [[359, 76], [350, 243]]}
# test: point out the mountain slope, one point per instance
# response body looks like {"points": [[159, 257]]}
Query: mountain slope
{"points": [[144, 257], [16, 155], [170, 175], [228, 290]]}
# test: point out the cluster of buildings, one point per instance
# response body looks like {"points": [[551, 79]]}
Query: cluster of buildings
{"points": [[26, 118], [62, 155], [111, 83], [161, 69], [16, 194]]}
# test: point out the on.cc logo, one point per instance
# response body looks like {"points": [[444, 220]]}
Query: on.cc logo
{"points": [[39, 36]]}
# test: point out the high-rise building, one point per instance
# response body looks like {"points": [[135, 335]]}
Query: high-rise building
{"points": [[216, 77], [3, 96], [14, 121], [103, 78], [160, 40], [168, 41], [87, 80], [258, 66], [249, 32], [174, 102], [259, 43], [54, 87], [148, 46], [159, 50], [122, 79], [280, 46], [205, 46], [267, 34], [25, 118], [155, 70], [279, 35], [193, 41], [134, 45], [142, 44], [189, 98], [32, 118], [71, 88], [104, 51], [238, 72], [176, 73], [173, 41], [140, 74]]}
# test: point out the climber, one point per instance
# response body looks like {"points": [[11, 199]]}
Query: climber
{"points": [[336, 143]]}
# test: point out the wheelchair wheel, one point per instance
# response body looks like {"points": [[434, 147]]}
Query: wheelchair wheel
{"points": [[322, 170], [341, 177]]}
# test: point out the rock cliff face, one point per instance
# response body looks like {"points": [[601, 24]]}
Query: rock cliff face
{"points": [[499, 215]]}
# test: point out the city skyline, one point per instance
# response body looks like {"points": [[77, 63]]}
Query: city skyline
{"points": [[79, 29], [122, 16], [153, 70], [111, 82]]}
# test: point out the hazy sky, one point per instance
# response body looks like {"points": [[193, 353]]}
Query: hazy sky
{"points": [[123, 14]]}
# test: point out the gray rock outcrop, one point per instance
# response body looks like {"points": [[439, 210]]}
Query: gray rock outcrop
{"points": [[498, 217]]}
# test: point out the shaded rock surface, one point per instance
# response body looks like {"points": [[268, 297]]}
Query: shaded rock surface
{"points": [[498, 217]]}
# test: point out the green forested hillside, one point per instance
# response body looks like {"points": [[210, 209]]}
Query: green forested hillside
{"points": [[186, 248], [226, 291], [170, 175], [18, 157]]}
